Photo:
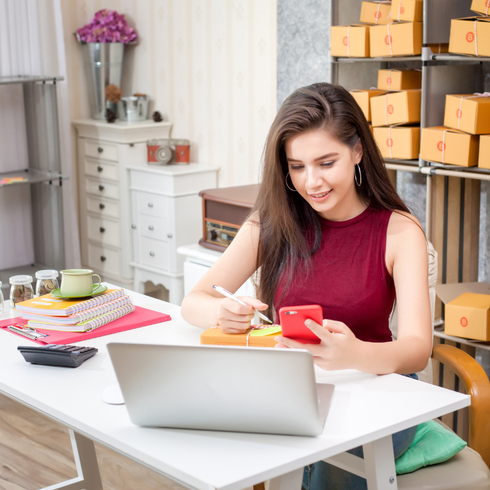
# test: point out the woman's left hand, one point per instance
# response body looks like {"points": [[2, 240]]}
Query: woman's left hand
{"points": [[339, 348]]}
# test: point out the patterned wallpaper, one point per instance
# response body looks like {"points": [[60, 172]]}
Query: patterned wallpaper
{"points": [[209, 66]]}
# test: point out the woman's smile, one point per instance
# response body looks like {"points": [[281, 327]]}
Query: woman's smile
{"points": [[319, 197]]}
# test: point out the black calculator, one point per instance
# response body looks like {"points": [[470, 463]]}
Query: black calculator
{"points": [[57, 355]]}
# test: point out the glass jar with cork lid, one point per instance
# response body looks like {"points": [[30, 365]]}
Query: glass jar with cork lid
{"points": [[47, 281], [20, 289]]}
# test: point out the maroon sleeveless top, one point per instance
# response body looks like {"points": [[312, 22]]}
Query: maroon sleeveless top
{"points": [[349, 278]]}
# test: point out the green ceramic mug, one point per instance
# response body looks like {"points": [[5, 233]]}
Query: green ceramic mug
{"points": [[77, 282]]}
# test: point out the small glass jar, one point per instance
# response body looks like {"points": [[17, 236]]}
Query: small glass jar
{"points": [[47, 281], [20, 289], [1, 298]]}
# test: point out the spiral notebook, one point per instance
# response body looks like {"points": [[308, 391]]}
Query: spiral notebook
{"points": [[140, 317], [49, 305], [76, 318]]}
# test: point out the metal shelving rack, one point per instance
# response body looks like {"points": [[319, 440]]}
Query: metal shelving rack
{"points": [[42, 174], [441, 74]]}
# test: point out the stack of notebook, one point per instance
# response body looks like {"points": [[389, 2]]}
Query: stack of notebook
{"points": [[50, 313]]}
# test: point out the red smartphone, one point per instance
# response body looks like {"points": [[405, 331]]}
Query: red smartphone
{"points": [[292, 320]]}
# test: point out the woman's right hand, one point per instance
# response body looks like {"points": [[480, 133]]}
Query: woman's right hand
{"points": [[236, 318]]}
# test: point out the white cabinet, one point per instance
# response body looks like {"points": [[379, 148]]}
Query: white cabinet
{"points": [[198, 261], [105, 151], [166, 213]]}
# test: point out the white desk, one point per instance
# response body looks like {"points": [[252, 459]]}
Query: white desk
{"points": [[366, 409]]}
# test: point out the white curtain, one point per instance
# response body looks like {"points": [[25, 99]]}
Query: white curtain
{"points": [[31, 43]]}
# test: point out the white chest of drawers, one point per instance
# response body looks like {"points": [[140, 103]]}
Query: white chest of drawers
{"points": [[105, 151], [166, 213]]}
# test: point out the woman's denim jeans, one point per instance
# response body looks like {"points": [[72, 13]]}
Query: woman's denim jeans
{"points": [[324, 476]]}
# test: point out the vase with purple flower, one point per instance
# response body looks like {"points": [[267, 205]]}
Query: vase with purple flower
{"points": [[103, 41]]}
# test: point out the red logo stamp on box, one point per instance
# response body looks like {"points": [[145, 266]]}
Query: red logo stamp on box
{"points": [[388, 40], [344, 41], [487, 3], [389, 142], [470, 37], [377, 15], [464, 321], [402, 10], [390, 109], [388, 80], [459, 113], [441, 146]]}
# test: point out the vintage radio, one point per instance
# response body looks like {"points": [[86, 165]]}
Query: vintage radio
{"points": [[224, 211]]}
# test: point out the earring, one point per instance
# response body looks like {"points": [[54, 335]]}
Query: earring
{"points": [[293, 189], [357, 180]]}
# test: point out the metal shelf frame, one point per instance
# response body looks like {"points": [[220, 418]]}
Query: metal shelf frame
{"points": [[42, 172], [442, 73]]}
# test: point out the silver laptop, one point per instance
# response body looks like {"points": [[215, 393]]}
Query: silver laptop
{"points": [[238, 389]]}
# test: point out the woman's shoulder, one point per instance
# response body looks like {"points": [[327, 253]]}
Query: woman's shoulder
{"points": [[405, 231]]}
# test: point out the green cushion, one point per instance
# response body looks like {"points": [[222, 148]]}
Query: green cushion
{"points": [[432, 444]]}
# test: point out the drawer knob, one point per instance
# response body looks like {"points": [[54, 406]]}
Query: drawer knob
{"points": [[99, 168], [102, 229], [150, 204], [152, 254], [133, 227], [101, 187], [101, 206], [100, 149], [102, 258], [150, 228], [169, 235]]}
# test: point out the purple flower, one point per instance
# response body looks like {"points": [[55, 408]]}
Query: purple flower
{"points": [[107, 26]]}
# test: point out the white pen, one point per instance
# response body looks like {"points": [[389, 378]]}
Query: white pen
{"points": [[226, 293]]}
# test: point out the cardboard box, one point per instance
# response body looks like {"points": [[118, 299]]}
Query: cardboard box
{"points": [[398, 141], [481, 6], [408, 10], [399, 79], [470, 35], [349, 41], [396, 108], [484, 152], [400, 39], [445, 145], [214, 336], [468, 316], [363, 98], [469, 113], [375, 13]]}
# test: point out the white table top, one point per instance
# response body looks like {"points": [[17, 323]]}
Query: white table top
{"points": [[365, 407]]}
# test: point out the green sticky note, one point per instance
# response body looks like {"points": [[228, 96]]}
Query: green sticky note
{"points": [[263, 332]]}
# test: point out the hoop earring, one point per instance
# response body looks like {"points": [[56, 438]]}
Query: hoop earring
{"points": [[357, 180], [293, 189]]}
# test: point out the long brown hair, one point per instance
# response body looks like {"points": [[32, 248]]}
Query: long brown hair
{"points": [[290, 230]]}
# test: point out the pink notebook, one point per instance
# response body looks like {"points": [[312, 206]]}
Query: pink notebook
{"points": [[140, 317]]}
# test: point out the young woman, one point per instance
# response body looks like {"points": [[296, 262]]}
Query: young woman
{"points": [[328, 228]]}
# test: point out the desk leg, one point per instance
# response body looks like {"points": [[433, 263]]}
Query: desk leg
{"points": [[87, 466], [380, 464], [289, 481], [377, 467]]}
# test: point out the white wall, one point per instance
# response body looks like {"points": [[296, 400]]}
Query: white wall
{"points": [[209, 65]]}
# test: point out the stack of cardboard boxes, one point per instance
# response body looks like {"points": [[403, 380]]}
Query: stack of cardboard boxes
{"points": [[471, 35], [396, 114], [385, 29], [464, 139], [388, 29]]}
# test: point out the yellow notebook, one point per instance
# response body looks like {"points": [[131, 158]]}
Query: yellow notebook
{"points": [[49, 305]]}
